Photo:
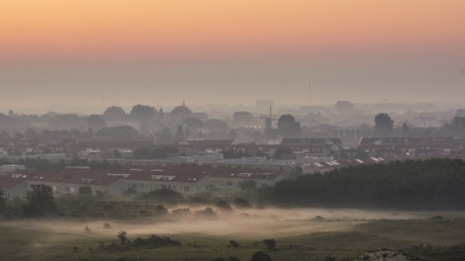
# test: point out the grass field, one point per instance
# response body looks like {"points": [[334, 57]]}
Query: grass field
{"points": [[343, 235]]}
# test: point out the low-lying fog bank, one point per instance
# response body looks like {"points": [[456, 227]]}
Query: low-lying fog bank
{"points": [[250, 223]]}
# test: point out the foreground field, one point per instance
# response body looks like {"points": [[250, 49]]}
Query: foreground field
{"points": [[305, 234]]}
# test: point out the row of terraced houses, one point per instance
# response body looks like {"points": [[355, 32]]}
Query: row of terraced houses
{"points": [[184, 178]]}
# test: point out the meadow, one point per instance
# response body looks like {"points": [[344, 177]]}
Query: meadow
{"points": [[300, 234]]}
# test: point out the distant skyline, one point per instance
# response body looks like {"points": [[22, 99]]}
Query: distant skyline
{"points": [[95, 54]]}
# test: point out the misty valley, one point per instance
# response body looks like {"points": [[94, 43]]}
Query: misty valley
{"points": [[150, 185], [189, 233], [216, 130], [306, 217]]}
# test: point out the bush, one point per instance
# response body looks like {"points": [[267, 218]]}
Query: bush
{"points": [[206, 212], [181, 212], [233, 243], [163, 195], [242, 203], [40, 201], [261, 256], [160, 210], [155, 241], [85, 190], [122, 236], [270, 244], [130, 191], [224, 205]]}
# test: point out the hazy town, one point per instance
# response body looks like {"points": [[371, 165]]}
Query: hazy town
{"points": [[232, 131]]}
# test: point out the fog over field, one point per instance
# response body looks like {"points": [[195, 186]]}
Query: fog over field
{"points": [[250, 223]]}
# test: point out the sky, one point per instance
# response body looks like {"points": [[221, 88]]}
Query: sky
{"points": [[97, 53]]}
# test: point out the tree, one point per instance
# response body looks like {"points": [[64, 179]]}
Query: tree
{"points": [[288, 126], [180, 113], [142, 112], [242, 118], [117, 133], [384, 125], [271, 134], [5, 137], [2, 198], [233, 134], [216, 125], [122, 236], [248, 184], [404, 129], [261, 256], [193, 123], [95, 122], [114, 113], [270, 244], [242, 203], [180, 135], [30, 133], [458, 123], [280, 151], [85, 190], [165, 137], [233, 244], [40, 201]]}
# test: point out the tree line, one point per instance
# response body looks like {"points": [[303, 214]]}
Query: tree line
{"points": [[415, 185]]}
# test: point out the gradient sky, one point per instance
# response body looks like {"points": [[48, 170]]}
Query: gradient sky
{"points": [[105, 52]]}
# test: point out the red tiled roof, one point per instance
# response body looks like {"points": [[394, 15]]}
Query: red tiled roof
{"points": [[193, 173], [9, 182], [76, 176]]}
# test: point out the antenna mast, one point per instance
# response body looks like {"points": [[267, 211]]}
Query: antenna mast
{"points": [[310, 93]]}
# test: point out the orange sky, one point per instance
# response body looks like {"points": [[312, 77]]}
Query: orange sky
{"points": [[61, 27], [107, 52]]}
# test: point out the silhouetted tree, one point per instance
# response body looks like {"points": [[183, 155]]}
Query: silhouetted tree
{"points": [[288, 126], [165, 137], [193, 123], [40, 201], [280, 151], [95, 122], [223, 204], [85, 190], [422, 185], [384, 125], [242, 118], [179, 134], [458, 123], [114, 113], [122, 236], [117, 133], [5, 138], [180, 113], [2, 198], [261, 256], [271, 134], [242, 203], [233, 244], [216, 125], [404, 128], [142, 112], [270, 244]]}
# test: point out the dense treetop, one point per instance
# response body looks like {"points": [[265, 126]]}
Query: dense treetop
{"points": [[429, 184]]}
